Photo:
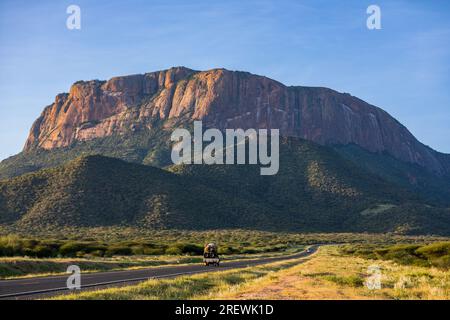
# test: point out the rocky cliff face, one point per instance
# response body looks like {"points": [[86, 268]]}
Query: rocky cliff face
{"points": [[224, 99]]}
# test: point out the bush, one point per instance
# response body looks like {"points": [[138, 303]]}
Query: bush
{"points": [[435, 250], [70, 249], [118, 251], [137, 250], [192, 249], [174, 250], [185, 248], [10, 245], [29, 243], [154, 251], [97, 253], [41, 251], [228, 250], [249, 251]]}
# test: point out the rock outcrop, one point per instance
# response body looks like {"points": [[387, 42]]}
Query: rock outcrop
{"points": [[224, 99]]}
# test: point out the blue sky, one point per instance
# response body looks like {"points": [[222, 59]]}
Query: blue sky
{"points": [[403, 68]]}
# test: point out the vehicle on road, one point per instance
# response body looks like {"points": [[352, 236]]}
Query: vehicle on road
{"points": [[210, 255]]}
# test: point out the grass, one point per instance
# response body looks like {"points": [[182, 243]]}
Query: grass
{"points": [[351, 281], [330, 275], [326, 275]]}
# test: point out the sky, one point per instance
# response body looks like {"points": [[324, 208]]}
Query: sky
{"points": [[403, 68]]}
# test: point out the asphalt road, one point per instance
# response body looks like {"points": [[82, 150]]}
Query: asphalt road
{"points": [[30, 288]]}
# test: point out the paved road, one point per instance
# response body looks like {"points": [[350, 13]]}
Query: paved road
{"points": [[30, 288]]}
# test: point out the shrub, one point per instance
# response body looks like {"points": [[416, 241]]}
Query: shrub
{"points": [[228, 250], [98, 253], [184, 248], [118, 251], [10, 245], [138, 250], [192, 249], [174, 250], [249, 251], [442, 262], [29, 243], [41, 251], [435, 250], [154, 251], [70, 249]]}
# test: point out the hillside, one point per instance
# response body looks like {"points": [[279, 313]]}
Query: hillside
{"points": [[315, 190], [100, 191]]}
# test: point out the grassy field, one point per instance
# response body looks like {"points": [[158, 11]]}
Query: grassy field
{"points": [[328, 274], [332, 275]]}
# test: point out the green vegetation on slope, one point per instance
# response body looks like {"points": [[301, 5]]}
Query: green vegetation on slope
{"points": [[316, 190], [433, 188], [148, 147], [321, 191], [99, 191]]}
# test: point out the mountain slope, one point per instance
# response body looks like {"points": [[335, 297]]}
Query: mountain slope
{"points": [[435, 189], [315, 190], [322, 191], [99, 191]]}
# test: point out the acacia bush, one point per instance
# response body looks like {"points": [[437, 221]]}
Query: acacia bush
{"points": [[184, 248]]}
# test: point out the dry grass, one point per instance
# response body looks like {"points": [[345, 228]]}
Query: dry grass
{"points": [[326, 275], [331, 276], [200, 286]]}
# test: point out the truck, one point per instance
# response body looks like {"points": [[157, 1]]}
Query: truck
{"points": [[210, 255]]}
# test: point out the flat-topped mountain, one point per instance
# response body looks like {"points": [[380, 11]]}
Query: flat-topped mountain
{"points": [[345, 165], [224, 99]]}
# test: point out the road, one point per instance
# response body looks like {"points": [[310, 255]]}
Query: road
{"points": [[30, 288]]}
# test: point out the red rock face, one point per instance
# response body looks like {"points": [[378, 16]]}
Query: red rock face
{"points": [[224, 99]]}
